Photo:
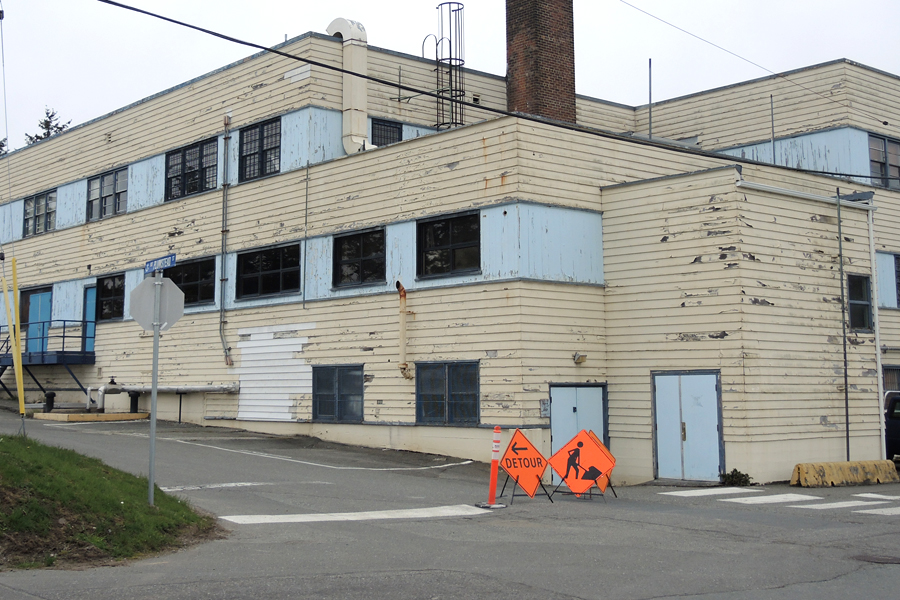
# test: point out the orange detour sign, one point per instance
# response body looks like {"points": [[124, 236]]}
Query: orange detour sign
{"points": [[583, 462], [524, 463]]}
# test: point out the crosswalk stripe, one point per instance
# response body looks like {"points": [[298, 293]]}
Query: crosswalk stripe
{"points": [[775, 499], [888, 512], [845, 504], [877, 496], [458, 510], [708, 492]]}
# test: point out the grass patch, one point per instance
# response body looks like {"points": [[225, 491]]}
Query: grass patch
{"points": [[57, 507]]}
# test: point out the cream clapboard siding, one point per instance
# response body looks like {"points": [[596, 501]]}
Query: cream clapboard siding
{"points": [[420, 74], [567, 167], [703, 276], [876, 97], [250, 90], [796, 359], [405, 181], [666, 307], [741, 114], [592, 112]]}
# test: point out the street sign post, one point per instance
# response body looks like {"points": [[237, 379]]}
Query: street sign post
{"points": [[156, 304], [524, 463]]}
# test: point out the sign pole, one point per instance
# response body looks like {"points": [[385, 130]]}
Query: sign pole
{"points": [[157, 285]]}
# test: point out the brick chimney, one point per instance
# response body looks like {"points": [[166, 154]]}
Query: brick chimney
{"points": [[540, 58]]}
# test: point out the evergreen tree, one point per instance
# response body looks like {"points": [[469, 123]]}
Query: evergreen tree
{"points": [[49, 125]]}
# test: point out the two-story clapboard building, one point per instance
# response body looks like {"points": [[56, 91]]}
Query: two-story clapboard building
{"points": [[372, 266]]}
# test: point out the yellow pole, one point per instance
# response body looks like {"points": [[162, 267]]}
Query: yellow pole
{"points": [[12, 337], [15, 336]]}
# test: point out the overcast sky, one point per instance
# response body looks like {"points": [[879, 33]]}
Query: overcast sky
{"points": [[85, 58]]}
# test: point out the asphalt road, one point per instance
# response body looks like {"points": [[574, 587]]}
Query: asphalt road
{"points": [[309, 519]]}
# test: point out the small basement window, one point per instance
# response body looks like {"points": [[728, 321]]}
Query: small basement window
{"points": [[386, 132], [859, 298]]}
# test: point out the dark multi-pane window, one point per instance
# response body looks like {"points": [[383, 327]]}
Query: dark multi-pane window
{"points": [[884, 161], [860, 302], [107, 195], [449, 246], [447, 392], [260, 150], [386, 132], [338, 393], [111, 297], [892, 380], [359, 258], [197, 279], [40, 214], [267, 272], [191, 170]]}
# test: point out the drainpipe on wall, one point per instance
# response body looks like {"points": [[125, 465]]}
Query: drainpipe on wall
{"points": [[404, 366], [875, 324], [355, 89], [222, 278]]}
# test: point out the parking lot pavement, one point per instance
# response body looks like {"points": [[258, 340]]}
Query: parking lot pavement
{"points": [[320, 520]]}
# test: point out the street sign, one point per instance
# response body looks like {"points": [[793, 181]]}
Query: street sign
{"points": [[159, 264], [583, 462], [524, 463], [171, 303]]}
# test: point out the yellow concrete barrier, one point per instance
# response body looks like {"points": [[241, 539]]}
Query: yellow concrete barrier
{"points": [[853, 472]]}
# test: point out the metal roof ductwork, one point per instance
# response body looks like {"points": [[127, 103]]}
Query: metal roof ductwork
{"points": [[355, 89]]}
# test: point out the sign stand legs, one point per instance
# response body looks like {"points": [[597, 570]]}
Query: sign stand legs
{"points": [[516, 483]]}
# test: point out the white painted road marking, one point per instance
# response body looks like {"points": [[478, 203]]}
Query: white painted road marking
{"points": [[276, 456], [216, 486], [709, 492], [888, 512], [877, 496], [458, 510], [777, 498], [845, 504], [312, 464]]}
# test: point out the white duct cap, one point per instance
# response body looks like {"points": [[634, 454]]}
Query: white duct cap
{"points": [[348, 30]]}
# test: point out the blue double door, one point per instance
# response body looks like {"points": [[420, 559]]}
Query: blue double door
{"points": [[688, 426], [573, 408]]}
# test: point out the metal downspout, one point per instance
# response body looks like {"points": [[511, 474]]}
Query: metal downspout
{"points": [[404, 366], [222, 278], [843, 323], [875, 324]]}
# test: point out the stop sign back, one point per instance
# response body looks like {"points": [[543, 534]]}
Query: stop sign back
{"points": [[171, 303]]}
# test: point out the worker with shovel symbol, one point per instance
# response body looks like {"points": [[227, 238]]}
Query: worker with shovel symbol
{"points": [[574, 461]]}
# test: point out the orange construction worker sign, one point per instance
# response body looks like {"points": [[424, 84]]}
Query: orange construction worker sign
{"points": [[583, 462], [524, 463]]}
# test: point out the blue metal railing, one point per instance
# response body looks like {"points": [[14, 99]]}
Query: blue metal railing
{"points": [[58, 335]]}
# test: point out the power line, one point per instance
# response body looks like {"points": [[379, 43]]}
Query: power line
{"points": [[522, 116], [747, 60], [6, 128]]}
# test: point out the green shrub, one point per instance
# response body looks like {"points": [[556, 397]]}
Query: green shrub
{"points": [[735, 478]]}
